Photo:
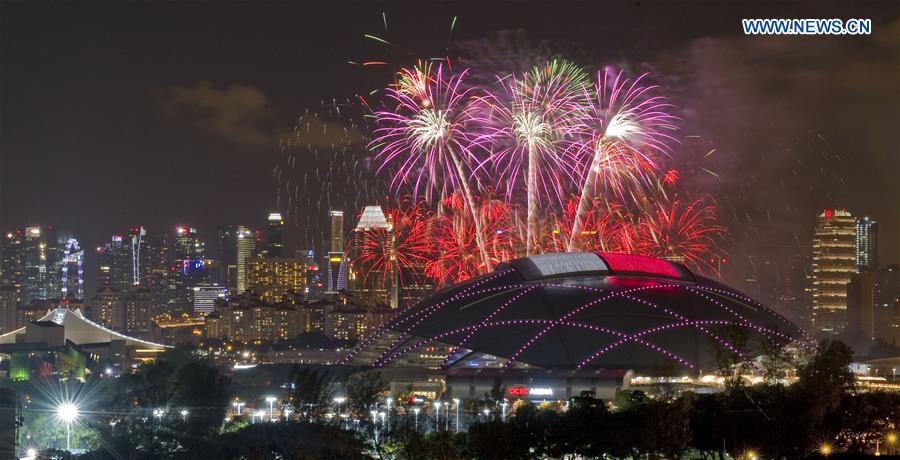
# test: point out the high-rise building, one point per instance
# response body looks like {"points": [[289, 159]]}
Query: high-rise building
{"points": [[246, 245], [12, 255], [354, 322], [372, 280], [872, 300], [108, 309], [136, 305], [273, 278], [274, 235], [336, 261], [833, 263], [205, 297], [34, 285], [226, 244], [9, 301], [866, 244], [115, 265]]}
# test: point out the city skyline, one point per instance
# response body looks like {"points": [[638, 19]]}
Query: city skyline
{"points": [[191, 107]]}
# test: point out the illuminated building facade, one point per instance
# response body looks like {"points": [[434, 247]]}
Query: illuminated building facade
{"points": [[272, 278], [246, 245], [9, 300], [107, 308], [833, 263], [274, 235], [136, 305], [354, 322], [205, 297], [866, 244], [34, 278], [249, 319], [336, 261], [115, 267]]}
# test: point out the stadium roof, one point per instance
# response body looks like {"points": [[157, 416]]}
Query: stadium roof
{"points": [[580, 311], [80, 330]]}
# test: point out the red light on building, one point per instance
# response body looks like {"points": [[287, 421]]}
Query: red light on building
{"points": [[518, 391], [630, 263], [829, 213]]}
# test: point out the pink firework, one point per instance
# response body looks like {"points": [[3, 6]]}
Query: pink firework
{"points": [[622, 137], [525, 124], [425, 136], [686, 232]]}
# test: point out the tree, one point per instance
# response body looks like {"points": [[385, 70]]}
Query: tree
{"points": [[363, 391], [728, 354], [312, 391]]}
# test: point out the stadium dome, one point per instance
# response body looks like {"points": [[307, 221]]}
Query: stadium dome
{"points": [[578, 311]]}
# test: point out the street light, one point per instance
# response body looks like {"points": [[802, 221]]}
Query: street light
{"points": [[67, 412], [486, 412], [456, 400], [825, 449], [503, 411], [261, 414], [238, 405], [382, 415], [287, 413], [437, 416], [416, 418], [891, 439], [271, 400], [184, 413]]}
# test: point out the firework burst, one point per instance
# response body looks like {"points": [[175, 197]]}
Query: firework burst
{"points": [[624, 134], [525, 125], [426, 135], [686, 232], [453, 239]]}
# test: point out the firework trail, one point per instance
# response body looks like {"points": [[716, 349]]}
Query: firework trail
{"points": [[426, 134], [323, 166], [525, 125], [686, 232], [622, 137]]}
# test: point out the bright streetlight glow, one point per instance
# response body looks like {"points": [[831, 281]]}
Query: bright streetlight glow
{"points": [[184, 414], [271, 400], [67, 412], [825, 449], [456, 401], [238, 405]]}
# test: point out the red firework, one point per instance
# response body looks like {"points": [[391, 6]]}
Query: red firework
{"points": [[399, 250], [605, 228], [686, 232], [452, 239]]}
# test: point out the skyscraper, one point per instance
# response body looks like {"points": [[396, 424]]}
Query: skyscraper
{"points": [[35, 266], [226, 244], [274, 235], [246, 244], [275, 277], [115, 265], [834, 262], [866, 244], [372, 281], [336, 263]]}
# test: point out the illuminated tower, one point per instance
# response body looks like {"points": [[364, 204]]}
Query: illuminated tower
{"points": [[35, 266], [275, 235], [833, 264], [337, 276], [246, 244], [866, 244], [114, 264]]}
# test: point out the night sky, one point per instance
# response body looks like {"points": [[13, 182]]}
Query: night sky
{"points": [[119, 114]]}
